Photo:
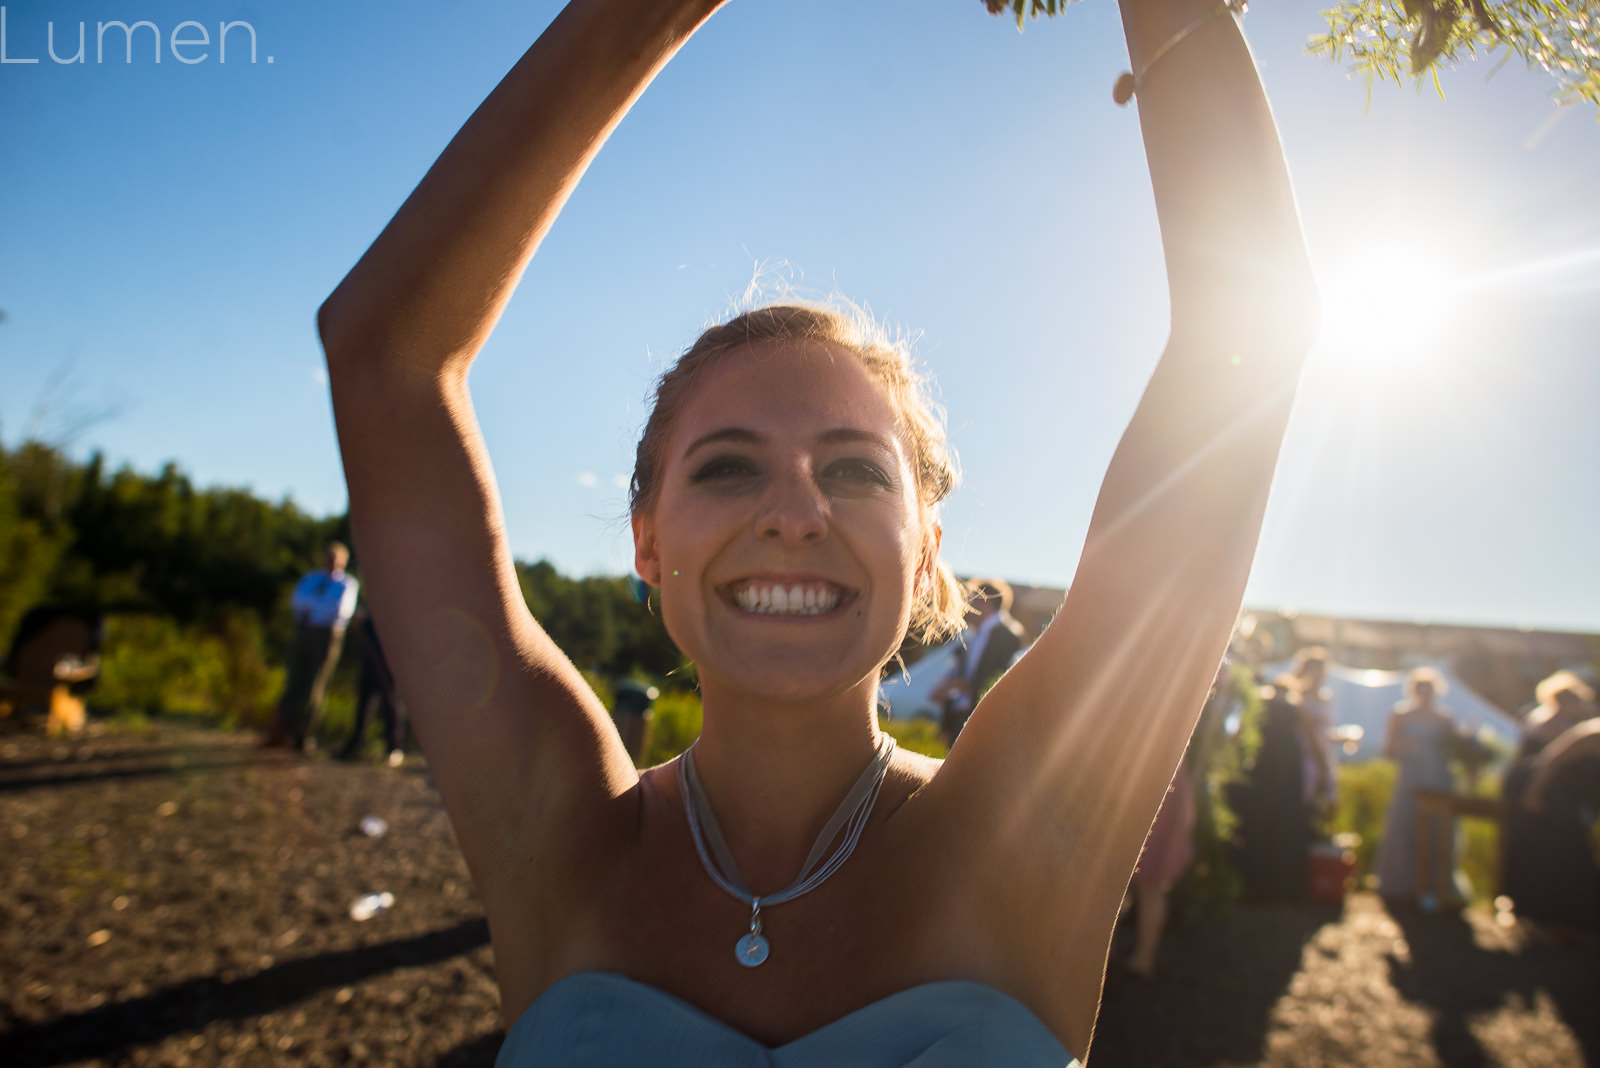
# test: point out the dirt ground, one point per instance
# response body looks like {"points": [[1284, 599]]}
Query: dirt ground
{"points": [[179, 897]]}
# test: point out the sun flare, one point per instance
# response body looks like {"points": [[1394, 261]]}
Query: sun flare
{"points": [[1387, 309]]}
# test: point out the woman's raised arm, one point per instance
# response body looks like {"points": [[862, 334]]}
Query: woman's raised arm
{"points": [[520, 748], [1076, 745]]}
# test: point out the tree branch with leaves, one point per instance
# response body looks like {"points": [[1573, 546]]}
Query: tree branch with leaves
{"points": [[1392, 40]]}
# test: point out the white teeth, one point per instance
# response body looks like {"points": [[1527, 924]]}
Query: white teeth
{"points": [[792, 600]]}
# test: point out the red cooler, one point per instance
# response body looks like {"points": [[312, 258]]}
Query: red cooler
{"points": [[1333, 870]]}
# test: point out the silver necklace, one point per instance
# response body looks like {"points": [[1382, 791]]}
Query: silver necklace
{"points": [[851, 816]]}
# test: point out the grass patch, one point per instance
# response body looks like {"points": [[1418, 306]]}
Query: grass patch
{"points": [[916, 735]]}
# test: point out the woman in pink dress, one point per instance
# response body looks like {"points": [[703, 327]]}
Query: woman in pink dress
{"points": [[1167, 854]]}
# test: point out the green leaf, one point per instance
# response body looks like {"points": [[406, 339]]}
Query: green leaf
{"points": [[1392, 39]]}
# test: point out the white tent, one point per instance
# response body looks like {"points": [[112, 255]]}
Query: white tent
{"points": [[906, 693], [1364, 698]]}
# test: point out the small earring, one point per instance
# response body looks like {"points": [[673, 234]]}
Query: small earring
{"points": [[638, 589]]}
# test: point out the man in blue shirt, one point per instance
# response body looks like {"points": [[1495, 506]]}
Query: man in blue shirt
{"points": [[323, 603]]}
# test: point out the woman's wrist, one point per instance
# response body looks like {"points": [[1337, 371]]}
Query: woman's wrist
{"points": [[676, 20], [1148, 24]]}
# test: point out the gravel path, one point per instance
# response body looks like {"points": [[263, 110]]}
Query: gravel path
{"points": [[180, 897]]}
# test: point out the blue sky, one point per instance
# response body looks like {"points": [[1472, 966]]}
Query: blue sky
{"points": [[169, 229]]}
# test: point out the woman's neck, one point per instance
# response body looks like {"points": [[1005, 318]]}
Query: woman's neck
{"points": [[775, 773]]}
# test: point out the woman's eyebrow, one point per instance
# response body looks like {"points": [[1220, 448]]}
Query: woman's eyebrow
{"points": [[837, 436], [726, 434], [849, 435]]}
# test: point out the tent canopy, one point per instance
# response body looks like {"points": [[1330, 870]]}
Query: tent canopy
{"points": [[1362, 698], [1365, 698], [906, 693]]}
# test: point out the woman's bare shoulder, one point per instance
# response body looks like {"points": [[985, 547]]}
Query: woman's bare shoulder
{"points": [[909, 775], [916, 768]]}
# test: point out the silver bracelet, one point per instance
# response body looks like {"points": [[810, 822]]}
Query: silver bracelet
{"points": [[1128, 83]]}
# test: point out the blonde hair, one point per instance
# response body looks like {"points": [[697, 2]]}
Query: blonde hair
{"points": [[1312, 656], [992, 589], [1563, 682], [941, 609], [1427, 675], [1296, 681]]}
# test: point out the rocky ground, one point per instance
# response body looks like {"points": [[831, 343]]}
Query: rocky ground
{"points": [[179, 897]]}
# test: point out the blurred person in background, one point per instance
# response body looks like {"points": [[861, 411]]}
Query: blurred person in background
{"points": [[986, 648], [1168, 852], [1552, 801], [322, 606], [1563, 701], [1274, 833], [1417, 739], [375, 692], [1313, 702]]}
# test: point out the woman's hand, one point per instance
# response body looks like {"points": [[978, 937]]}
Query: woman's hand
{"points": [[430, 289]]}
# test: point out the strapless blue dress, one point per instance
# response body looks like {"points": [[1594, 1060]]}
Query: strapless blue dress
{"points": [[600, 1020]]}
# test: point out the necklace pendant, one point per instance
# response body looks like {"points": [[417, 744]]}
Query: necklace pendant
{"points": [[752, 950]]}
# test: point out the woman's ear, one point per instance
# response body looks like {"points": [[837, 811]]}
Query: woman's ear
{"points": [[646, 555]]}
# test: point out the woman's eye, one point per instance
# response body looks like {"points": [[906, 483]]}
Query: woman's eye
{"points": [[862, 471], [723, 468]]}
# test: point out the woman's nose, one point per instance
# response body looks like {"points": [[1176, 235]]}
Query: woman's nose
{"points": [[794, 511]]}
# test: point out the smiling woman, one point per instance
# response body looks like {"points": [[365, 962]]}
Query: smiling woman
{"points": [[769, 896]]}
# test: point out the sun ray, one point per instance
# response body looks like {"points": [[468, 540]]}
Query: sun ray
{"points": [[1551, 268]]}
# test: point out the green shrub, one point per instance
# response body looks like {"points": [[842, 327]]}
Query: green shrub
{"points": [[916, 735], [245, 689], [338, 717], [151, 665], [1217, 760], [1364, 793], [1480, 846], [674, 726], [600, 685], [155, 666]]}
